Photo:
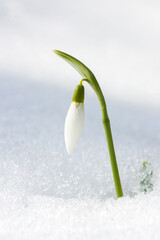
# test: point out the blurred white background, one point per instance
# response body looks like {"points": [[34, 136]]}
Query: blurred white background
{"points": [[44, 193], [117, 40]]}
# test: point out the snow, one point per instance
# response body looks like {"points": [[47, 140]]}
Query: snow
{"points": [[46, 194]]}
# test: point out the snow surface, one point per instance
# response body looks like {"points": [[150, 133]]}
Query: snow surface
{"points": [[46, 194]]}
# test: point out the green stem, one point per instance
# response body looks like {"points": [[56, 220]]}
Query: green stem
{"points": [[90, 78], [108, 133]]}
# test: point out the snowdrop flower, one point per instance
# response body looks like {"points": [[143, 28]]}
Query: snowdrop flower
{"points": [[75, 119]]}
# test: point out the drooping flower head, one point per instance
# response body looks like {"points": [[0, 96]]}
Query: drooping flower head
{"points": [[75, 119]]}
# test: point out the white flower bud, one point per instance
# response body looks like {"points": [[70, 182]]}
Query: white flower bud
{"points": [[73, 125]]}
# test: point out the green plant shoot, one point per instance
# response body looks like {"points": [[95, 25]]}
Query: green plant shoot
{"points": [[89, 77]]}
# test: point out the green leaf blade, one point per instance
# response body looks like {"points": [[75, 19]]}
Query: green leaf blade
{"points": [[84, 71]]}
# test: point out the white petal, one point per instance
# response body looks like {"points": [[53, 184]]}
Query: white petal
{"points": [[73, 125]]}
